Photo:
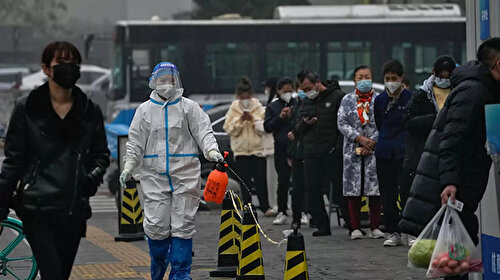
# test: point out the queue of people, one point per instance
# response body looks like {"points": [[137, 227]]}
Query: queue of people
{"points": [[369, 144]]}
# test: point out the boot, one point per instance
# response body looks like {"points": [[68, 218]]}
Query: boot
{"points": [[181, 259], [159, 251]]}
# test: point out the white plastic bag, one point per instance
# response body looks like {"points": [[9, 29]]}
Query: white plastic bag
{"points": [[454, 253], [420, 254]]}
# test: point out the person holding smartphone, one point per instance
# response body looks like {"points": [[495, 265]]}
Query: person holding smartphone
{"points": [[246, 143], [322, 146], [277, 121]]}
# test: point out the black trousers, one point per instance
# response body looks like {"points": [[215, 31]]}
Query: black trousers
{"points": [[407, 177], [283, 170], [320, 172], [389, 176], [253, 167], [299, 197], [54, 246]]}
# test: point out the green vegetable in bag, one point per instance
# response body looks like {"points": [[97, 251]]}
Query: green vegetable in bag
{"points": [[420, 254]]}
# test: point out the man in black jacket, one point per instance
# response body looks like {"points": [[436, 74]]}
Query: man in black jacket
{"points": [[455, 163], [322, 146], [56, 147]]}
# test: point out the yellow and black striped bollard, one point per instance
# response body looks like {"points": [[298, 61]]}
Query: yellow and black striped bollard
{"points": [[296, 261], [230, 229], [250, 261]]}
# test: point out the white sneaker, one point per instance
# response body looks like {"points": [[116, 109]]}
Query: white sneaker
{"points": [[376, 234], [305, 219], [411, 240], [280, 219], [270, 212], [356, 234], [393, 240]]}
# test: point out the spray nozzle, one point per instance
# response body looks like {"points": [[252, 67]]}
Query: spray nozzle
{"points": [[222, 165]]}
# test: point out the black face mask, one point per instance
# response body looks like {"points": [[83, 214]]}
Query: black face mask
{"points": [[66, 74]]}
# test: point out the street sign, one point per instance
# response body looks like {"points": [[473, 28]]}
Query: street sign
{"points": [[484, 18], [491, 257]]}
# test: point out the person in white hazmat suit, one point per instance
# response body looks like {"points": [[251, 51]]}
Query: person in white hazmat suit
{"points": [[164, 136]]}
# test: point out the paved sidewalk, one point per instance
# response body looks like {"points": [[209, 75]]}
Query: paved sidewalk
{"points": [[333, 257]]}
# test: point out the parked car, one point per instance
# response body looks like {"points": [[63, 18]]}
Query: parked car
{"points": [[90, 74], [94, 81], [11, 77]]}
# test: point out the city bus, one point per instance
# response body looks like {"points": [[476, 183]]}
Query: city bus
{"points": [[212, 55]]}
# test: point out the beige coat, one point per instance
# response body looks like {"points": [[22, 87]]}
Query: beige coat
{"points": [[267, 139], [245, 139]]}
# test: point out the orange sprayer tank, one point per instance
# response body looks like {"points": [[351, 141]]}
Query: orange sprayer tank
{"points": [[216, 185]]}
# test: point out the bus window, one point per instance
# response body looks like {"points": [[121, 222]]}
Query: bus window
{"points": [[141, 70], [418, 59], [140, 63], [344, 57], [462, 52], [403, 53], [117, 77], [288, 58], [173, 53], [226, 63], [424, 59]]}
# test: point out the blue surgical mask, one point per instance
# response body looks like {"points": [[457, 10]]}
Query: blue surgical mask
{"points": [[364, 86], [442, 83], [301, 94]]}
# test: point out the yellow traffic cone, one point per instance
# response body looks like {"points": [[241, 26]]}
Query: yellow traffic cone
{"points": [[251, 265], [296, 262], [230, 229]]}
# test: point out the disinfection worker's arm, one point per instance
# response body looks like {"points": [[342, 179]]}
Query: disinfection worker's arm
{"points": [[137, 138], [233, 124], [201, 130]]}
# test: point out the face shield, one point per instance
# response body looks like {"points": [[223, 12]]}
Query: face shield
{"points": [[165, 80]]}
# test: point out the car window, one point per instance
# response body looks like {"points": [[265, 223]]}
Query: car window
{"points": [[9, 78], [87, 78], [104, 85]]}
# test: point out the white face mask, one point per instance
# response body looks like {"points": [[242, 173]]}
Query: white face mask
{"points": [[166, 90], [286, 97], [392, 87], [245, 103], [312, 94], [295, 94]]}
